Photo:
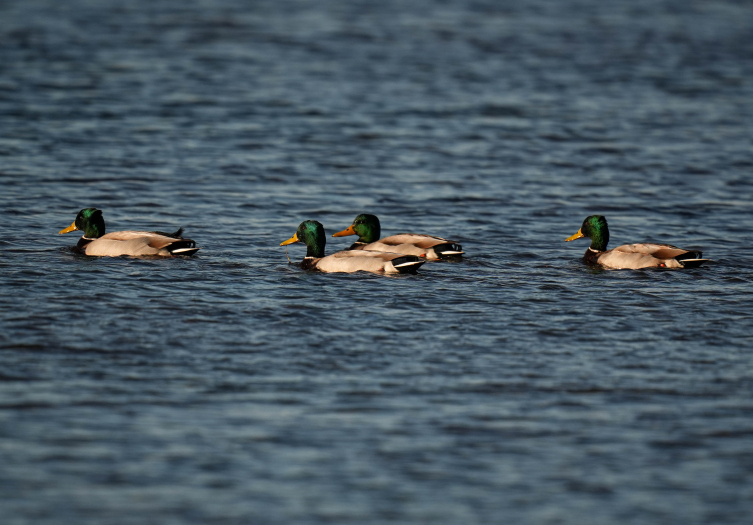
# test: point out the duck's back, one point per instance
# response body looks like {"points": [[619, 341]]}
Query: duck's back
{"points": [[139, 243], [647, 255]]}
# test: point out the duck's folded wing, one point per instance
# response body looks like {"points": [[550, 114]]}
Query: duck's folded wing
{"points": [[661, 251], [152, 239], [420, 241], [376, 254], [380, 247]]}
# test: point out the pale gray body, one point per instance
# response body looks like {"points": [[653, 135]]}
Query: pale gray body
{"points": [[642, 255], [133, 243], [350, 261]]}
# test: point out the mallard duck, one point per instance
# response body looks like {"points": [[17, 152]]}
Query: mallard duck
{"points": [[631, 256], [311, 233], [135, 243], [368, 229]]}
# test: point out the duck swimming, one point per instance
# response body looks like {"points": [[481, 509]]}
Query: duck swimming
{"points": [[631, 256], [311, 233], [368, 229], [96, 242]]}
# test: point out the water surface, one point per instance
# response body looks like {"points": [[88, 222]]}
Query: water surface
{"points": [[516, 386]]}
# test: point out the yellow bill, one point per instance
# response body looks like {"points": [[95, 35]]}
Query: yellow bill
{"points": [[70, 228], [293, 239], [576, 236], [347, 231]]}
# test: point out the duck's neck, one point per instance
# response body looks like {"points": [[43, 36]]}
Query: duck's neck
{"points": [[315, 250], [81, 244], [599, 240]]}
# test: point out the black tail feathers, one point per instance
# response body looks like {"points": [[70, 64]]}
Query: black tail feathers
{"points": [[408, 263], [691, 259], [177, 235], [448, 251], [183, 247]]}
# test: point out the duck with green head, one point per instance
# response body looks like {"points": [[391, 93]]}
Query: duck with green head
{"points": [[96, 242], [368, 229], [631, 256], [311, 233]]}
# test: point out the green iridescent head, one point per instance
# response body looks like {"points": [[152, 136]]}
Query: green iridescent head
{"points": [[310, 233], [366, 226], [595, 228], [89, 221]]}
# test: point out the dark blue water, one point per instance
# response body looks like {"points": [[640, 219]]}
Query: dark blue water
{"points": [[517, 386]]}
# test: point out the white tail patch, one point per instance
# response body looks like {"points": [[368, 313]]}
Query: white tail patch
{"points": [[409, 263], [693, 263], [451, 253], [182, 250]]}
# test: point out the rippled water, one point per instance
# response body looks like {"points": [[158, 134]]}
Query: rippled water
{"points": [[517, 386]]}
